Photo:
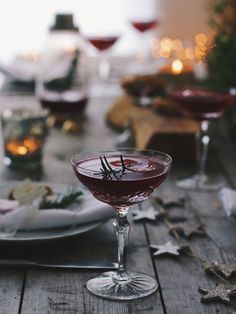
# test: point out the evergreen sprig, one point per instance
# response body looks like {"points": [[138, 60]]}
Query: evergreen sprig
{"points": [[221, 59], [62, 200]]}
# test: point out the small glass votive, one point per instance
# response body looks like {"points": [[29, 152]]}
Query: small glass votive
{"points": [[24, 132]]}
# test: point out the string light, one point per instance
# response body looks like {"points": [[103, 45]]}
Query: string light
{"points": [[189, 53], [201, 39], [177, 44], [167, 48]]}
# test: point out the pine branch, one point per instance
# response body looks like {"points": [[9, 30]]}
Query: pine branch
{"points": [[62, 201]]}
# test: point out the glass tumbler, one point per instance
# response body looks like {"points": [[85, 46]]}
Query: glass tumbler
{"points": [[24, 132]]}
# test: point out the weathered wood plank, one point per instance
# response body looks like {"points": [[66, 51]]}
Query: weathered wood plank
{"points": [[180, 278], [11, 283], [52, 292], [64, 292]]}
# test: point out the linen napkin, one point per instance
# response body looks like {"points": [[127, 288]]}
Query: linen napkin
{"points": [[14, 217], [228, 199]]}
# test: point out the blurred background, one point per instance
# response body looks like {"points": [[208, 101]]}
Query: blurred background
{"points": [[24, 24], [68, 53]]}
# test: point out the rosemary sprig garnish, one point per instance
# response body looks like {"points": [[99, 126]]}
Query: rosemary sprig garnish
{"points": [[62, 201], [108, 172], [123, 163]]}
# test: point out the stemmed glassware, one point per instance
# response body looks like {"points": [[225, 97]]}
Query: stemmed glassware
{"points": [[144, 26], [103, 44], [203, 105], [122, 178]]}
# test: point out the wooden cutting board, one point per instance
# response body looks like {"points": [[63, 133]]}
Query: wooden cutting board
{"points": [[174, 135]]}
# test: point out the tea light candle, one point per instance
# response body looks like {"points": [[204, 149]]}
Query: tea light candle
{"points": [[24, 132], [176, 67], [25, 147]]}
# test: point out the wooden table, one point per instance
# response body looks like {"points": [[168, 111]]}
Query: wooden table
{"points": [[30, 291]]}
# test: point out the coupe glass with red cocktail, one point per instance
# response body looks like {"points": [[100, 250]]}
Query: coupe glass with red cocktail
{"points": [[122, 178]]}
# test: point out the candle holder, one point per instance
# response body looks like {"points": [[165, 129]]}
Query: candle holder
{"points": [[24, 132]]}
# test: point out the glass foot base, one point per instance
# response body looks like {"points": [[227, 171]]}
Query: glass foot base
{"points": [[107, 286], [23, 164], [199, 183]]}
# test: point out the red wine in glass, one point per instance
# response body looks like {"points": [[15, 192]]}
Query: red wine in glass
{"points": [[76, 103], [203, 105], [122, 178], [103, 42], [142, 176], [143, 26]]}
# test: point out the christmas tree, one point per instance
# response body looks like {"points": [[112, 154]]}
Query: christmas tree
{"points": [[222, 57]]}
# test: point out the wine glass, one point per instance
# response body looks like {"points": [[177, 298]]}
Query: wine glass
{"points": [[144, 28], [203, 105], [103, 44], [122, 178]]}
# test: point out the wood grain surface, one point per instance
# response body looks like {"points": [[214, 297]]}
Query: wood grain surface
{"points": [[40, 291]]}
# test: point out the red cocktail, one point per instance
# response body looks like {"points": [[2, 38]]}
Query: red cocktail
{"points": [[143, 26], [122, 178], [204, 105], [103, 42], [141, 176]]}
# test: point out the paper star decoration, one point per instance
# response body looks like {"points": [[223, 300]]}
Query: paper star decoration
{"points": [[167, 248], [150, 213], [170, 200], [220, 293], [188, 228], [226, 270]]}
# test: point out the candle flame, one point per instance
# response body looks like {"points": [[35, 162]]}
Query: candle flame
{"points": [[24, 147], [177, 67]]}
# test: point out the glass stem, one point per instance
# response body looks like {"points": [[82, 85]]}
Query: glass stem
{"points": [[103, 67], [203, 140], [122, 230], [144, 47]]}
